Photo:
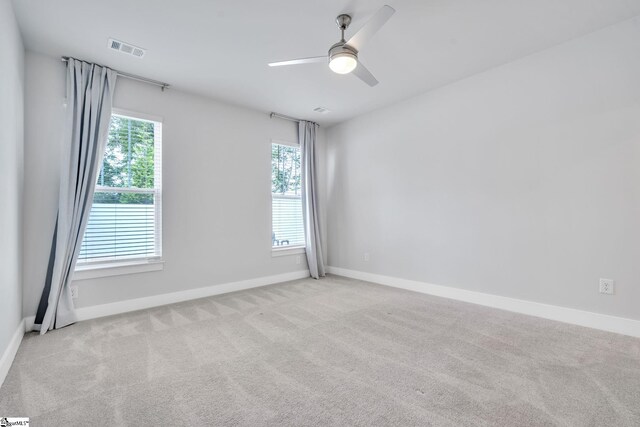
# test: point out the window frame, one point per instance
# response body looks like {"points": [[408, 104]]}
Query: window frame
{"points": [[109, 266], [277, 251]]}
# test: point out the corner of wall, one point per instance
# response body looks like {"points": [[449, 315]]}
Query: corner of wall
{"points": [[12, 88]]}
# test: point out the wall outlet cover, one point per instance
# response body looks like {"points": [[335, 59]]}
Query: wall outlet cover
{"points": [[74, 292], [606, 286]]}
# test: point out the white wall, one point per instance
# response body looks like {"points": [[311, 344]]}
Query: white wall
{"points": [[216, 189], [523, 181], [11, 173]]}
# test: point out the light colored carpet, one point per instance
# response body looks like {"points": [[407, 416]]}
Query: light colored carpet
{"points": [[329, 352]]}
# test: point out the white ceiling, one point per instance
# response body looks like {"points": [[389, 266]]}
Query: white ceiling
{"points": [[221, 48]]}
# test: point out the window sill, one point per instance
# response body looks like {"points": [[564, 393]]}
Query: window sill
{"points": [[286, 251], [85, 272]]}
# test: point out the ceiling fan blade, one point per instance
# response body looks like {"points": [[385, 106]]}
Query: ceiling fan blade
{"points": [[371, 27], [299, 61], [365, 75]]}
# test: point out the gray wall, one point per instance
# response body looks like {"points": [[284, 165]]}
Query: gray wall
{"points": [[216, 189], [523, 181], [11, 173]]}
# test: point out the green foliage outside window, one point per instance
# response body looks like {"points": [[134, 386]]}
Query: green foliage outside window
{"points": [[285, 170], [128, 161]]}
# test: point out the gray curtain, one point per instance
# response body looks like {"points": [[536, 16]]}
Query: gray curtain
{"points": [[310, 208], [89, 96]]}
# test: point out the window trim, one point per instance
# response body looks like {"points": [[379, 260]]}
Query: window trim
{"points": [[117, 268], [135, 115], [288, 250], [285, 142], [102, 267]]}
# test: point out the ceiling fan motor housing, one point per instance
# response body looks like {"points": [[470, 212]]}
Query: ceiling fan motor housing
{"points": [[342, 49]]}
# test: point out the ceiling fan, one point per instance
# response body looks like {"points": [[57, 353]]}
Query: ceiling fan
{"points": [[343, 56]]}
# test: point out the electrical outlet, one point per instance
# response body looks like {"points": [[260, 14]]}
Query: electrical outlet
{"points": [[74, 292], [606, 286], [366, 257], [298, 259]]}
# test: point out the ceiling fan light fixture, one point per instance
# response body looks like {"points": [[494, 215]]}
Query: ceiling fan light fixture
{"points": [[343, 63], [343, 56]]}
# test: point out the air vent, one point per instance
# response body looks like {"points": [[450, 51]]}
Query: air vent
{"points": [[127, 48], [321, 110]]}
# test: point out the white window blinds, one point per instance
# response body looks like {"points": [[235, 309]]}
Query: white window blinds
{"points": [[126, 216]]}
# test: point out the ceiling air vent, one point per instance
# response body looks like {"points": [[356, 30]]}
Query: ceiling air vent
{"points": [[127, 48], [321, 110]]}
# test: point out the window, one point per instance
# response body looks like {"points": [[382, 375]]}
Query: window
{"points": [[286, 201], [125, 222]]}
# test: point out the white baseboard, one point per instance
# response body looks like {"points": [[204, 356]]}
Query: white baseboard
{"points": [[102, 310], [588, 319], [10, 352], [28, 323]]}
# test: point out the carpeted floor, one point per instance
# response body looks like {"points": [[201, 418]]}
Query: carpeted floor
{"points": [[329, 352]]}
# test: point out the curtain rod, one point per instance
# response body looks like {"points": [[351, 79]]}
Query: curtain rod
{"points": [[162, 85], [292, 119]]}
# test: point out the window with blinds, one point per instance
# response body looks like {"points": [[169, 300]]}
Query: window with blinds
{"points": [[286, 201], [125, 222]]}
